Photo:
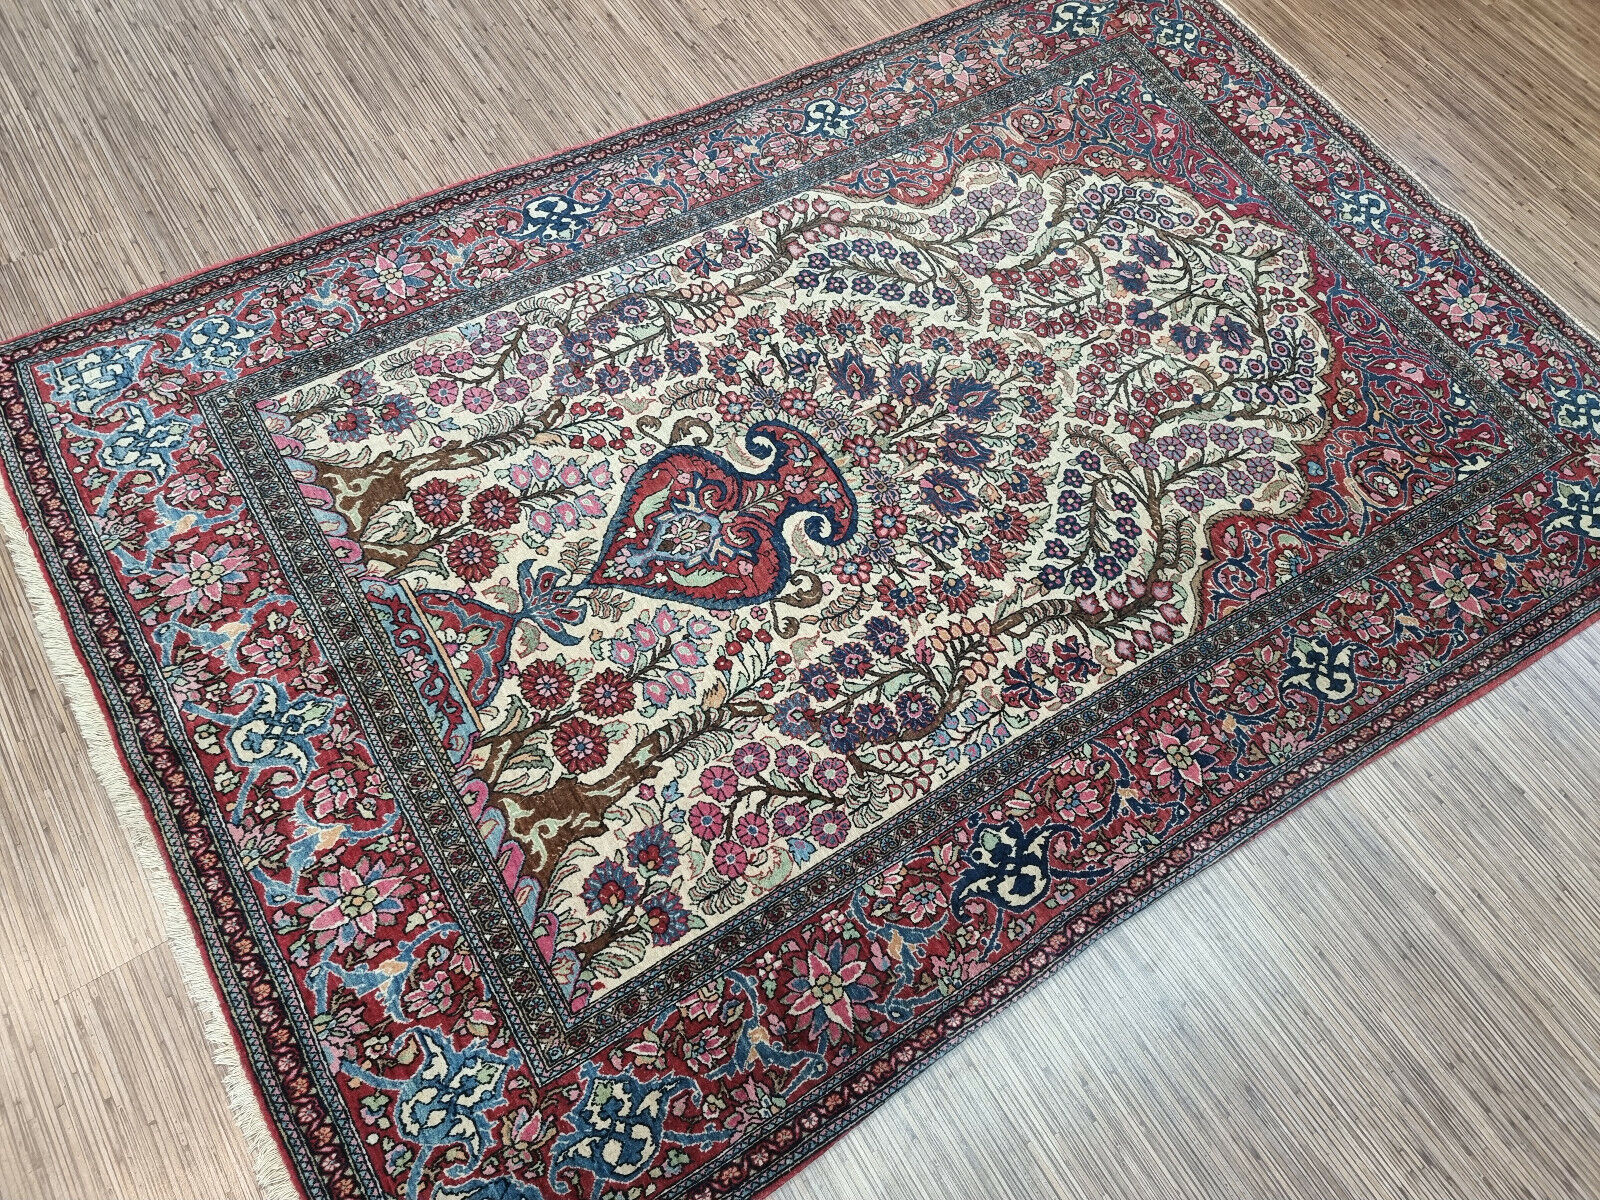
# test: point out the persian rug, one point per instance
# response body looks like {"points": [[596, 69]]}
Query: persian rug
{"points": [[627, 658]]}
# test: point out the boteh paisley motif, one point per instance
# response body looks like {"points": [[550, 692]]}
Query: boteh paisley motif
{"points": [[626, 657], [818, 536]]}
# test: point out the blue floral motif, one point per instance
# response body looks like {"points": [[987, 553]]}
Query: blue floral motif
{"points": [[1079, 18], [216, 343], [144, 442], [275, 732], [829, 117], [1577, 408], [1177, 34], [1575, 508], [1367, 209], [1007, 865], [1322, 667], [619, 1130], [556, 218], [98, 375], [445, 1100]]}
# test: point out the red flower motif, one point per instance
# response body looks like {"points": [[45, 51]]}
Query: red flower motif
{"points": [[958, 593], [830, 827], [545, 685], [473, 557], [437, 503], [890, 326], [902, 598], [719, 782], [580, 745], [706, 820], [608, 694], [751, 830], [862, 448], [790, 819], [889, 521], [1009, 525], [798, 402], [991, 353], [494, 508], [986, 558], [937, 337], [1031, 444], [1024, 485], [852, 570], [753, 330]]}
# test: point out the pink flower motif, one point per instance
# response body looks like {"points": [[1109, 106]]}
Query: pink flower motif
{"points": [[705, 820], [830, 827], [831, 987], [334, 791], [730, 859], [269, 652], [791, 760], [1456, 590], [751, 830], [349, 903], [1179, 755], [393, 275], [433, 995], [790, 819], [1518, 536], [751, 759], [719, 782], [831, 774], [195, 580], [922, 901]]}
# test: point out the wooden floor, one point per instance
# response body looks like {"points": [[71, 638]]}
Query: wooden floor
{"points": [[1394, 993]]}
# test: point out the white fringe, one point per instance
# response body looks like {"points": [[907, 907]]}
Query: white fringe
{"points": [[272, 1174]]}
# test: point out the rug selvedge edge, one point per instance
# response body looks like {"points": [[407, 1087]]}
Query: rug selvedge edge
{"points": [[268, 1156]]}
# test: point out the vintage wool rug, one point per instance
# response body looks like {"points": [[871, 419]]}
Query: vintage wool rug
{"points": [[627, 657]]}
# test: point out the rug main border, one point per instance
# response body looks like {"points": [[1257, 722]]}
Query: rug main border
{"points": [[115, 774], [178, 919]]}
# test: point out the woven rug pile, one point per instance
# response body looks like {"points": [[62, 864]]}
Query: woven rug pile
{"points": [[627, 658]]}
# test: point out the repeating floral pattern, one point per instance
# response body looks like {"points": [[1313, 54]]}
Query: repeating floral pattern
{"points": [[782, 346], [1014, 411]]}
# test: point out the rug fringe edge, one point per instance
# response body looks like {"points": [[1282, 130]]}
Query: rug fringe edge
{"points": [[267, 1159]]}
